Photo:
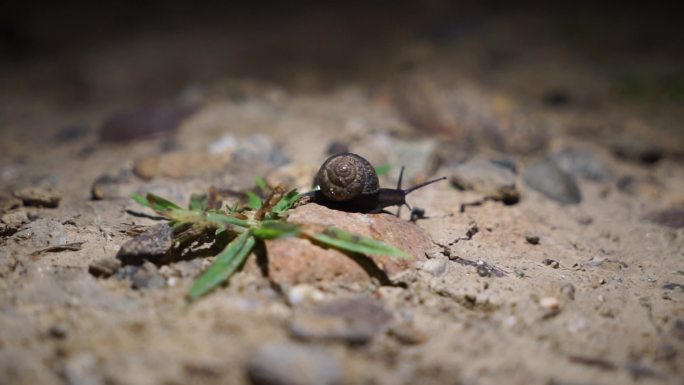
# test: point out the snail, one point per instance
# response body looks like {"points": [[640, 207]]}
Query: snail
{"points": [[349, 182]]}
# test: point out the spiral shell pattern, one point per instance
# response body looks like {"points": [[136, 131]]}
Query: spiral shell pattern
{"points": [[347, 176]]}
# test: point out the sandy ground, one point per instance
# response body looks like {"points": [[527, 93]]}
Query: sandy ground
{"points": [[580, 293]]}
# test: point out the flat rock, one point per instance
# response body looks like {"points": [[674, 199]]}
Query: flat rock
{"points": [[295, 260], [672, 217], [145, 121], [15, 220], [292, 364], [581, 162], [148, 246], [39, 197], [354, 320], [104, 267], [108, 186], [8, 202], [488, 178], [553, 182], [180, 164], [637, 149]]}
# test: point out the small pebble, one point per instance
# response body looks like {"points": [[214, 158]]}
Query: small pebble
{"points": [[551, 262], [581, 162], [532, 239], [148, 277], [488, 178], [549, 303], [107, 186], [407, 334], [672, 218], [355, 320], [304, 293], [553, 182], [568, 290], [8, 202], [59, 331], [145, 121], [436, 266], [15, 220], [104, 267], [638, 150], [150, 245], [39, 197], [292, 364]]}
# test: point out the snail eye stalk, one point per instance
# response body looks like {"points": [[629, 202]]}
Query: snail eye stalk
{"points": [[401, 178]]}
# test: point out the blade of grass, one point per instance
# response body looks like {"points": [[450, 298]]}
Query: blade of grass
{"points": [[344, 240], [220, 220], [382, 170], [161, 203], [285, 203], [141, 200], [261, 184], [198, 202], [225, 265], [253, 201], [269, 229]]}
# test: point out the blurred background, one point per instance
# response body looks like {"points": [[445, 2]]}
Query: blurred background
{"points": [[509, 77], [76, 54]]}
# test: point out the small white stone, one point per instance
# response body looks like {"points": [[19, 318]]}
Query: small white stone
{"points": [[436, 266], [300, 293], [549, 303]]}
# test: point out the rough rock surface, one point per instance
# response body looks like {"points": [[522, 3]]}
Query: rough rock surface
{"points": [[554, 183], [488, 178], [294, 260], [39, 196]]}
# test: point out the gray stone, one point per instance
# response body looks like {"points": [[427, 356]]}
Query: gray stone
{"points": [[532, 239], [260, 147], [150, 245], [637, 149], [145, 121], [568, 290], [291, 364], [15, 220], [672, 217], [581, 162], [488, 178], [353, 319], [107, 186], [436, 266], [104, 267], [553, 182], [148, 277], [39, 197], [8, 202]]}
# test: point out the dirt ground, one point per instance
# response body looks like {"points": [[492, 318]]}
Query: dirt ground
{"points": [[558, 286]]}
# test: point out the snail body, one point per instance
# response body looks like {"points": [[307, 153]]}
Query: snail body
{"points": [[349, 182]]}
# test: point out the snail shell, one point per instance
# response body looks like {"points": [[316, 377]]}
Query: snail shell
{"points": [[347, 176]]}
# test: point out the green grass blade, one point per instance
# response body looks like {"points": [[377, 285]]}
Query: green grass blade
{"points": [[160, 204], [221, 220], [253, 202], [141, 200], [224, 266], [286, 202], [382, 170], [198, 202], [261, 184], [344, 240], [269, 229]]}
